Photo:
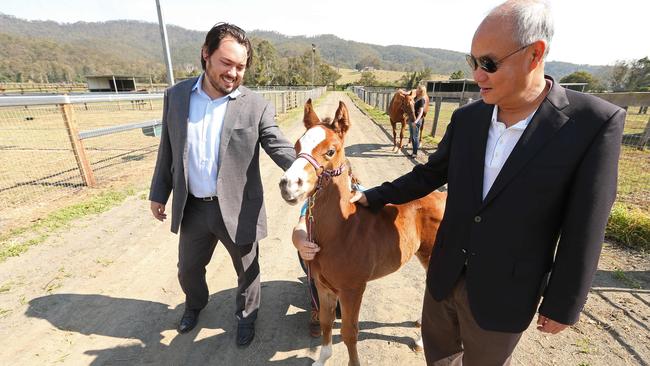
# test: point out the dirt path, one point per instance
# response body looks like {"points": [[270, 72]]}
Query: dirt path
{"points": [[105, 292]]}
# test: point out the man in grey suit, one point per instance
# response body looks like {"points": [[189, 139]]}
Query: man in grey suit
{"points": [[209, 157], [531, 171]]}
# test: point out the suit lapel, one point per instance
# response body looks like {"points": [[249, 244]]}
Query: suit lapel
{"points": [[545, 123], [184, 110], [229, 122], [477, 154]]}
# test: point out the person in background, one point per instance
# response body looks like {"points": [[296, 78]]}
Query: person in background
{"points": [[212, 131], [421, 98], [531, 172]]}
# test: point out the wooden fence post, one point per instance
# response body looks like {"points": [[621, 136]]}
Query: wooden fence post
{"points": [[77, 146], [434, 125], [646, 136], [284, 102]]}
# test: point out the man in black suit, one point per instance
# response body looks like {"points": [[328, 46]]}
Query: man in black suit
{"points": [[531, 172]]}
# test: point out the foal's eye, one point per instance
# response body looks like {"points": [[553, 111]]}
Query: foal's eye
{"points": [[330, 153]]}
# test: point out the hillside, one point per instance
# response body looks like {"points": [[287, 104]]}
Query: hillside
{"points": [[47, 51]]}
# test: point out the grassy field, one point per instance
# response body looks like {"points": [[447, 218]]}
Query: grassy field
{"points": [[350, 76]]}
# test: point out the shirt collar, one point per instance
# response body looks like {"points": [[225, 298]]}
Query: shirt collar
{"points": [[198, 88], [521, 125]]}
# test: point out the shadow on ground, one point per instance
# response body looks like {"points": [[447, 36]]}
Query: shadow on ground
{"points": [[146, 329]]}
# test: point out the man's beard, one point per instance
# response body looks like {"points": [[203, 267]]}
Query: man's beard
{"points": [[219, 87]]}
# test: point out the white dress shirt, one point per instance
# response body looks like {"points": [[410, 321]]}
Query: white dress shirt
{"points": [[204, 124], [500, 142]]}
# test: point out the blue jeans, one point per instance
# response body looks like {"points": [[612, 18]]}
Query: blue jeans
{"points": [[414, 130]]}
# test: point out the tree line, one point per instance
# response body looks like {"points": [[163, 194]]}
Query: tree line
{"points": [[632, 75]]}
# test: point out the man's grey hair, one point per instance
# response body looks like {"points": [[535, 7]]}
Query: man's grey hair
{"points": [[531, 19]]}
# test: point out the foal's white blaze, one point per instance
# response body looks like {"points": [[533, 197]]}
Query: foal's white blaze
{"points": [[325, 354], [300, 168]]}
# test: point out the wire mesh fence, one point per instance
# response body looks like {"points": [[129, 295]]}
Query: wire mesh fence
{"points": [[634, 163], [40, 161], [54, 146]]}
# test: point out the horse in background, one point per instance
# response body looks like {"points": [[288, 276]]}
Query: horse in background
{"points": [[357, 245], [401, 110]]}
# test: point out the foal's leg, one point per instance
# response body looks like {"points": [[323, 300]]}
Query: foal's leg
{"points": [[350, 305], [393, 125], [327, 314], [401, 135]]}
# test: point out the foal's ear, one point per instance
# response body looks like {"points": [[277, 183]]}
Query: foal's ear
{"points": [[341, 122], [310, 119]]}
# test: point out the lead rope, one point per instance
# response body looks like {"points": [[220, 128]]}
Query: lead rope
{"points": [[323, 178], [310, 222]]}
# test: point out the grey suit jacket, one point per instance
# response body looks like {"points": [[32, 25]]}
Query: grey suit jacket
{"points": [[248, 124]]}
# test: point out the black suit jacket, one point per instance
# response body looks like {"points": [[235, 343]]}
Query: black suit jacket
{"points": [[540, 229]]}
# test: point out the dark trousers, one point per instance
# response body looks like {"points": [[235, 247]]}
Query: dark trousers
{"points": [[414, 132], [452, 337], [313, 291], [202, 227]]}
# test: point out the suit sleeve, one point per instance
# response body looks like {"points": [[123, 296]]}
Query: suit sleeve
{"points": [[422, 180], [273, 141], [590, 201], [161, 183]]}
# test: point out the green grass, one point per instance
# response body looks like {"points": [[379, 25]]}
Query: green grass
{"points": [[12, 244], [351, 76], [584, 346], [629, 226], [296, 113], [633, 177], [103, 262], [620, 276], [5, 287]]}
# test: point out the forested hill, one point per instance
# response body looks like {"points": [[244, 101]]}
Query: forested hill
{"points": [[46, 51]]}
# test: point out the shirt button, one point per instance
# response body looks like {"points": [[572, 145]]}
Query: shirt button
{"points": [[477, 219]]}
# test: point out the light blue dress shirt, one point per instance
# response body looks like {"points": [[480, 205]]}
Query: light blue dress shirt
{"points": [[204, 125]]}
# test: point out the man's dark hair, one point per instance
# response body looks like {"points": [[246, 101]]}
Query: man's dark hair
{"points": [[221, 31]]}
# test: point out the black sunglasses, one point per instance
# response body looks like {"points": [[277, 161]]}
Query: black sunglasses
{"points": [[487, 63]]}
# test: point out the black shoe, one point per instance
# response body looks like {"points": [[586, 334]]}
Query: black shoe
{"points": [[245, 333], [188, 321]]}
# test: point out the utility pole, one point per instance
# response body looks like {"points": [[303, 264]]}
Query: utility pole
{"points": [[313, 55], [165, 44]]}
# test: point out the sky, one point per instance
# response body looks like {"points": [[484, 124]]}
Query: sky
{"points": [[595, 32]]}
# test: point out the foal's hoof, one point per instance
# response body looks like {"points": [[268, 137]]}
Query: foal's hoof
{"points": [[418, 323], [418, 346]]}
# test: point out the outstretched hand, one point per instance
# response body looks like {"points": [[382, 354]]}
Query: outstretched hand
{"points": [[547, 325], [158, 211], [359, 197]]}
